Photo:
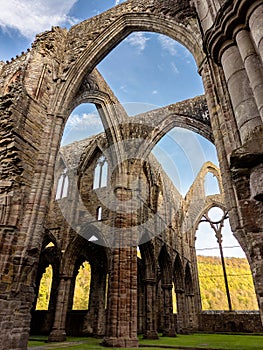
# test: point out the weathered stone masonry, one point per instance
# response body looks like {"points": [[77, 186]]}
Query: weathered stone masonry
{"points": [[38, 91]]}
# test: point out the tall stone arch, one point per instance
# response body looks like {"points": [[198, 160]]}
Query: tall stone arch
{"points": [[226, 42], [112, 27]]}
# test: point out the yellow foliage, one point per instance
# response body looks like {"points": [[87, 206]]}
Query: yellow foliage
{"points": [[44, 289], [212, 285], [82, 288]]}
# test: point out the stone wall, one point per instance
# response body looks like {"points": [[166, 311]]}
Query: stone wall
{"points": [[38, 91], [236, 321]]}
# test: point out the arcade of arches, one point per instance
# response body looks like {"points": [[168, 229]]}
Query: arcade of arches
{"points": [[99, 199]]}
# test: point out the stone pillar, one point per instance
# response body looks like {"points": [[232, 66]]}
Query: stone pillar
{"points": [[140, 300], [168, 319], [72, 290], [95, 319], [253, 66], [256, 25], [181, 311], [121, 328], [16, 296], [243, 102], [58, 332], [150, 331], [256, 251], [247, 174], [121, 325], [190, 307], [53, 297]]}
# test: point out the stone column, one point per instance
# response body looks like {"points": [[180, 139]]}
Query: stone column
{"points": [[140, 300], [243, 102], [256, 25], [256, 265], [256, 250], [150, 331], [190, 307], [121, 327], [253, 66], [95, 319], [58, 332], [181, 311], [247, 163], [168, 319], [249, 191], [72, 291]]}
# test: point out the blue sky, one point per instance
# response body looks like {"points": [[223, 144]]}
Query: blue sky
{"points": [[146, 71]]}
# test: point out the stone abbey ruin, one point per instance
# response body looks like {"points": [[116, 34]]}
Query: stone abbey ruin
{"points": [[52, 212]]}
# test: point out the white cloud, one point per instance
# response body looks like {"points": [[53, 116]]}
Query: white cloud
{"points": [[124, 88], [175, 69], [81, 126], [117, 2], [168, 44], [138, 40], [85, 120], [155, 92], [30, 17]]}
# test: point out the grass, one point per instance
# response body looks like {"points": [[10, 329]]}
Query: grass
{"points": [[202, 341], [215, 341], [80, 344]]}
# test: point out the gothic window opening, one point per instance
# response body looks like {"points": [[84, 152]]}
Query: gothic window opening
{"points": [[45, 289], [82, 288], [174, 300], [222, 265], [139, 255], [62, 187], [100, 173], [50, 244], [211, 184], [106, 291]]}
